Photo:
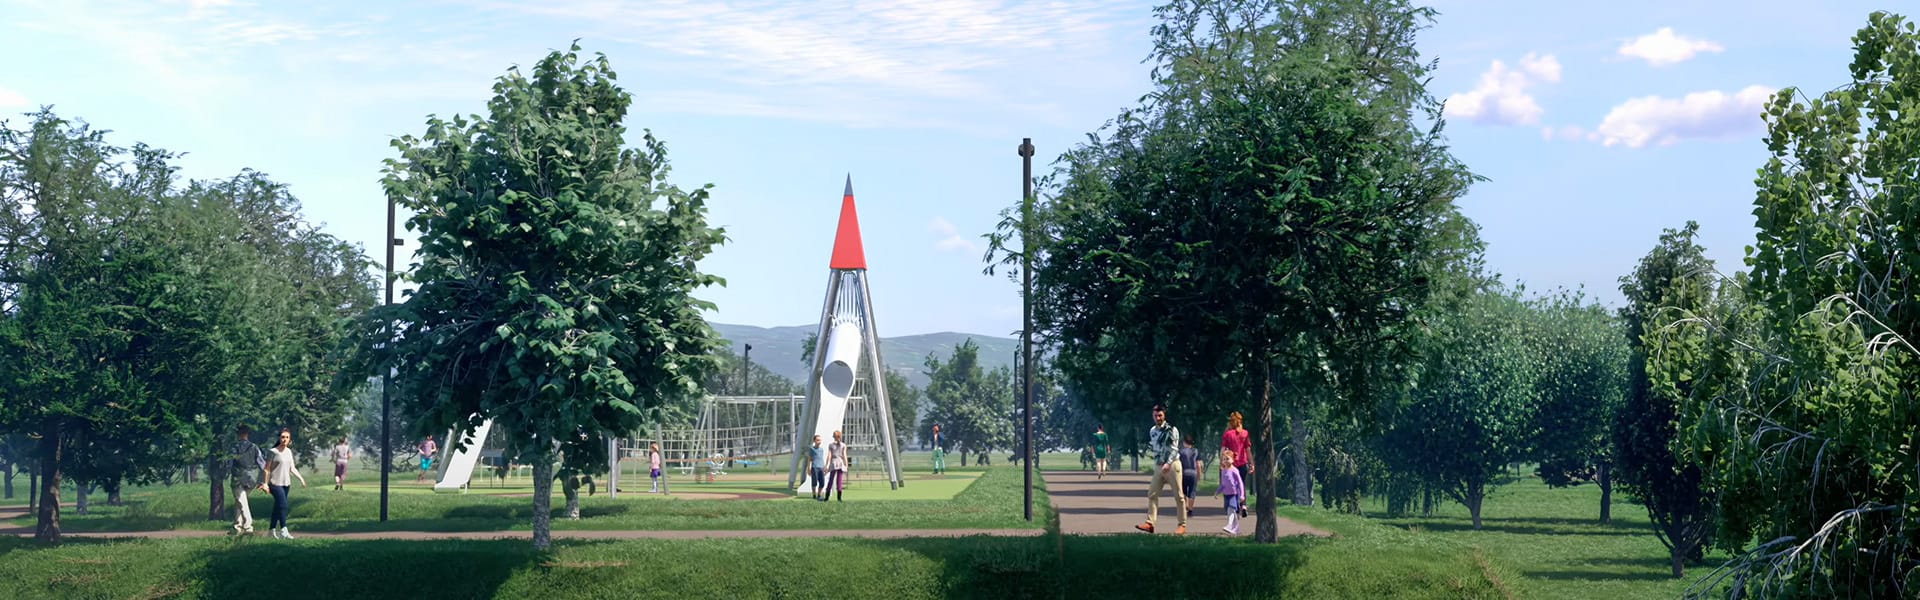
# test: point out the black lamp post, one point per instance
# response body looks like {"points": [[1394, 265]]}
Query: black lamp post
{"points": [[386, 402], [1026, 314]]}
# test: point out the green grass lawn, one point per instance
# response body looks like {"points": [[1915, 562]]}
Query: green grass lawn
{"points": [[972, 498], [1552, 540], [1368, 561]]}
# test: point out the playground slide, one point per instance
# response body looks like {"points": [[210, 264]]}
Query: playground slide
{"points": [[836, 381], [459, 466]]}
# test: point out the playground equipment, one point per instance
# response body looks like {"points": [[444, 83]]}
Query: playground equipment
{"points": [[846, 379], [457, 472]]}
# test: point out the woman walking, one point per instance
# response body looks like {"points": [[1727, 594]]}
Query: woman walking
{"points": [[280, 474], [1237, 441], [342, 453]]}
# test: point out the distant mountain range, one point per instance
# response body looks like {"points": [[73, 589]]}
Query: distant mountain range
{"points": [[779, 349]]}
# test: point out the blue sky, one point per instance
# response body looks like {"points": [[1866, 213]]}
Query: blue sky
{"points": [[1597, 124]]}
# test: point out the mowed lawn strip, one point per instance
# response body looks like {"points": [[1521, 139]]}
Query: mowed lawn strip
{"points": [[1368, 561], [1550, 540], [991, 501]]}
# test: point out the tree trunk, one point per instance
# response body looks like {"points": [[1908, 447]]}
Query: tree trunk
{"points": [[963, 458], [1426, 503], [47, 527], [9, 481], [571, 488], [1265, 530], [113, 492], [542, 498], [81, 502], [1302, 470], [1679, 561], [33, 488], [1476, 496], [216, 493], [1606, 493]]}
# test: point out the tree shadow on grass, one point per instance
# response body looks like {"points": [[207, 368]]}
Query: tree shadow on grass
{"points": [[1502, 526], [1579, 575], [1055, 566], [361, 568]]}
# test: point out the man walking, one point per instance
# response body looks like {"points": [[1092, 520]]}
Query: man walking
{"points": [[1162, 441], [342, 453], [249, 468]]}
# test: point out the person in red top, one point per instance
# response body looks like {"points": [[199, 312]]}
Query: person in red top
{"points": [[1237, 440]]}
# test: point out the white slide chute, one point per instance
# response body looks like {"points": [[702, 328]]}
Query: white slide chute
{"points": [[460, 463]]}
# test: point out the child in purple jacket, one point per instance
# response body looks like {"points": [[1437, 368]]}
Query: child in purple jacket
{"points": [[1234, 489]]}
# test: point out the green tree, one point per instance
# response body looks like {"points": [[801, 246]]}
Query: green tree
{"points": [[556, 272], [115, 304], [1804, 407], [1582, 384], [973, 406], [1672, 282], [1467, 416], [1267, 210]]}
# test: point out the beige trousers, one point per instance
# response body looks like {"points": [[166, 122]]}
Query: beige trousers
{"points": [[1163, 478], [242, 514]]}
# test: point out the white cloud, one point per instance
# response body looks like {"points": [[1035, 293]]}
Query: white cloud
{"points": [[11, 100], [1700, 115], [950, 238], [1503, 96], [1664, 47], [1569, 132]]}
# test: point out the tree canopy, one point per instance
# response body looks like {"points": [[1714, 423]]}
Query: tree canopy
{"points": [[555, 273]]}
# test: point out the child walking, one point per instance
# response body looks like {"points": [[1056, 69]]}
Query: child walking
{"points": [[1189, 472], [653, 462], [837, 460], [1234, 489], [817, 469]]}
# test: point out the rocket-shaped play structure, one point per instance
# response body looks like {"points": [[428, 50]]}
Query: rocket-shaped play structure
{"points": [[847, 375]]}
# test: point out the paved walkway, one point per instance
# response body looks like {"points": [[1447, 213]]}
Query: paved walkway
{"points": [[1091, 506]]}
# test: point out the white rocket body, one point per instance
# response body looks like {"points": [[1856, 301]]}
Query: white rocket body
{"points": [[836, 384]]}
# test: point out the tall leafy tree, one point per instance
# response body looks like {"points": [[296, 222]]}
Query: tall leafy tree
{"points": [[556, 270], [1810, 415], [1582, 384], [1673, 282], [116, 302], [1467, 416], [1266, 210], [973, 406]]}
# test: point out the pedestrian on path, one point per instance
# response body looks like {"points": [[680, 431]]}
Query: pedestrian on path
{"points": [[1234, 489], [1189, 471], [280, 474], [837, 460], [1236, 440], [427, 450], [653, 466], [249, 469], [342, 452], [1161, 439], [817, 469], [939, 451], [1101, 448]]}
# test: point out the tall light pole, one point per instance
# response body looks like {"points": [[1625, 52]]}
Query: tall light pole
{"points": [[746, 368], [386, 376], [1026, 312]]}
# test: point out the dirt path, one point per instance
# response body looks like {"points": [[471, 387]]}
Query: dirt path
{"points": [[1090, 506]]}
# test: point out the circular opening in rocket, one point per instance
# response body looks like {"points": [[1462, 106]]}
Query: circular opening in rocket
{"points": [[838, 379]]}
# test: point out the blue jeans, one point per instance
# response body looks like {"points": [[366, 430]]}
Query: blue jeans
{"points": [[279, 518]]}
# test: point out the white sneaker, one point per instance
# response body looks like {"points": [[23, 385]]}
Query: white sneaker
{"points": [[285, 535]]}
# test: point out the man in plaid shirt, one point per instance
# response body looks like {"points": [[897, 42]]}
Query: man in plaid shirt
{"points": [[1163, 441]]}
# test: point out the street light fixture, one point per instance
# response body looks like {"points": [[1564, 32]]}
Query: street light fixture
{"points": [[386, 377]]}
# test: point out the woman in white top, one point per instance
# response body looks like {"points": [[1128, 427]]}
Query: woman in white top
{"points": [[280, 474]]}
